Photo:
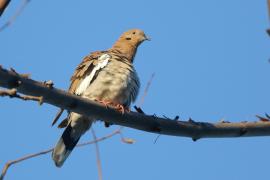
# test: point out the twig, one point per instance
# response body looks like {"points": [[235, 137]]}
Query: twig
{"points": [[3, 6], [59, 113], [13, 93], [14, 17], [10, 163], [97, 154], [146, 90]]}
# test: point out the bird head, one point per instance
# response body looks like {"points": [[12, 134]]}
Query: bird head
{"points": [[133, 37], [129, 41]]}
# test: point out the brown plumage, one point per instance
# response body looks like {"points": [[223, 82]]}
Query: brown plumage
{"points": [[105, 76]]}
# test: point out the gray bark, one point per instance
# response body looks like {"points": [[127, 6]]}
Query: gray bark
{"points": [[153, 124]]}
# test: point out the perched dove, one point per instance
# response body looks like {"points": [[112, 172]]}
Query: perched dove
{"points": [[105, 76]]}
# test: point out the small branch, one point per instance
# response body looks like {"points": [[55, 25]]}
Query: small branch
{"points": [[97, 154], [14, 17], [3, 6], [13, 93], [10, 163], [149, 123], [146, 90]]}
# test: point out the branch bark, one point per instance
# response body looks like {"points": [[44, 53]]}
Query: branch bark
{"points": [[153, 124]]}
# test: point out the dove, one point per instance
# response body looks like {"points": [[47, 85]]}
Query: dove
{"points": [[106, 76]]}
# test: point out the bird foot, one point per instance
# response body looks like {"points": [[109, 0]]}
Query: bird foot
{"points": [[104, 102], [122, 109], [119, 107]]}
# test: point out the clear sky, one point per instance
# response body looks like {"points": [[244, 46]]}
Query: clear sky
{"points": [[211, 62]]}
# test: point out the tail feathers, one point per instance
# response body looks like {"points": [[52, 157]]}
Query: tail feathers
{"points": [[65, 145]]}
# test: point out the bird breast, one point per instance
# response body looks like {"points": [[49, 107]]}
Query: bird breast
{"points": [[116, 82]]}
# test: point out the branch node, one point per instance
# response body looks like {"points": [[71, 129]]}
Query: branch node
{"points": [[192, 121], [107, 124], [156, 129], [242, 132]]}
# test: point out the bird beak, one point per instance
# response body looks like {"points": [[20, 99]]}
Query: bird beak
{"points": [[146, 38]]}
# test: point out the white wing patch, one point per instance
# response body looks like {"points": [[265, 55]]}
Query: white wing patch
{"points": [[102, 62]]}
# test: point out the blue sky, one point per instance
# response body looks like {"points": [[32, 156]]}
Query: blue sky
{"points": [[211, 62]]}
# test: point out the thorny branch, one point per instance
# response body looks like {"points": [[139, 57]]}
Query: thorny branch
{"points": [[10, 163], [13, 93], [149, 123]]}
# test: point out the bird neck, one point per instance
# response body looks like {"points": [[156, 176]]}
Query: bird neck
{"points": [[128, 50]]}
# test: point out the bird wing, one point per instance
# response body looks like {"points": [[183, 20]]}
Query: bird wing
{"points": [[85, 68], [85, 73]]}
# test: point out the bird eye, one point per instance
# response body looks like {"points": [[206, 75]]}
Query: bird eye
{"points": [[134, 32], [128, 38]]}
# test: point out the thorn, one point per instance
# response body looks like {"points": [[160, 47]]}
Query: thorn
{"points": [[268, 117], [157, 138], [191, 121], [107, 124], [176, 118], [165, 117], [40, 100], [139, 110], [194, 139], [13, 70], [223, 121], [268, 31], [49, 84], [262, 118]]}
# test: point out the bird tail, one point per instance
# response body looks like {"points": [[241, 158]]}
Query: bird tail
{"points": [[76, 128]]}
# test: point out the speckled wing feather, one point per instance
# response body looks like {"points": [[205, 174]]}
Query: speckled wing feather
{"points": [[83, 69]]}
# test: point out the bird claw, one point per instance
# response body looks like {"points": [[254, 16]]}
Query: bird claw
{"points": [[119, 107], [122, 109], [104, 102]]}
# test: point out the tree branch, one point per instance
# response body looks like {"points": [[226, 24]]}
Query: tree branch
{"points": [[97, 155], [153, 124], [10, 163]]}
